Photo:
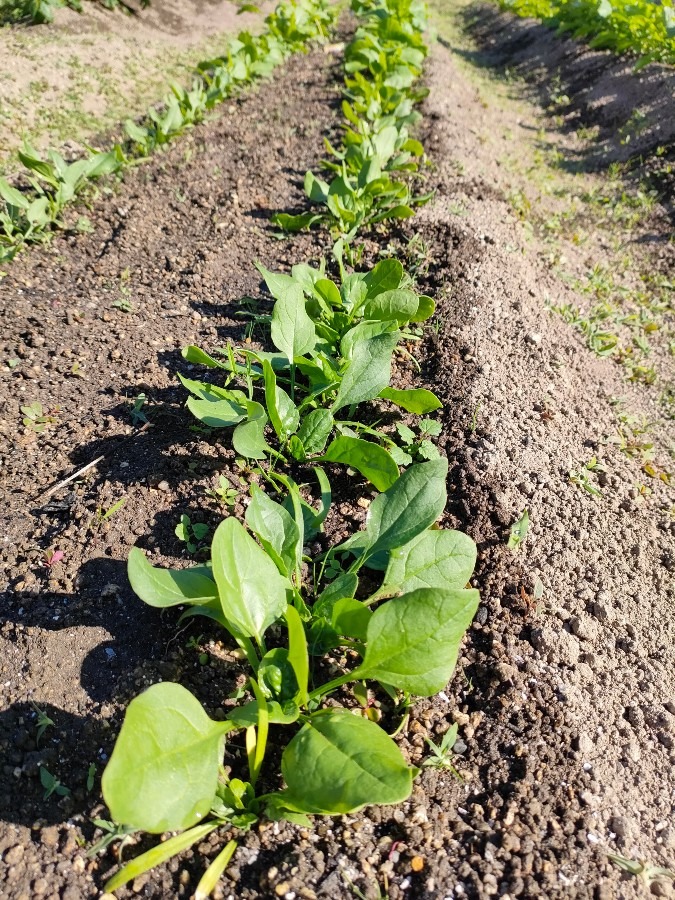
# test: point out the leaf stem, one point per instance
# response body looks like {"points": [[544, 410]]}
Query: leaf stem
{"points": [[331, 685]]}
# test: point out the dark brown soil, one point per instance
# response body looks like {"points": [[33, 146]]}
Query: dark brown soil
{"points": [[565, 705]]}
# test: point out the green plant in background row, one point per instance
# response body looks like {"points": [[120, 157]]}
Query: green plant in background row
{"points": [[382, 63], [166, 772], [30, 216], [335, 347]]}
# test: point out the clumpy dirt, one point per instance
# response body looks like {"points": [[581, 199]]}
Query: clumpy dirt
{"points": [[565, 702], [62, 82]]}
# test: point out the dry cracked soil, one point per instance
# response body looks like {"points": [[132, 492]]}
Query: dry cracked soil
{"points": [[564, 692]]}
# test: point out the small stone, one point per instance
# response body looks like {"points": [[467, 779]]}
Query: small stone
{"points": [[534, 338], [417, 863], [282, 889], [164, 486], [14, 855]]}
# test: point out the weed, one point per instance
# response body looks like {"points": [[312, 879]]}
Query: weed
{"points": [[191, 533], [52, 785], [43, 722], [519, 531], [442, 756]]}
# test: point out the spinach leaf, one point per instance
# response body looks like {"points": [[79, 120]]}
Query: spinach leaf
{"points": [[369, 370], [293, 331], [276, 530], [163, 772], [248, 437], [418, 400], [169, 587], [338, 763], [437, 559], [371, 460], [413, 641], [252, 592]]}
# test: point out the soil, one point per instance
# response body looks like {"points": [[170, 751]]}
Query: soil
{"points": [[565, 702], [84, 72]]}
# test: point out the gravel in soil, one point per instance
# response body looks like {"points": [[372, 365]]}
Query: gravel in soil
{"points": [[565, 703]]}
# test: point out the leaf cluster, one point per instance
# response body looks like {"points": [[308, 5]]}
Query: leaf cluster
{"points": [[166, 770], [335, 343], [382, 63]]}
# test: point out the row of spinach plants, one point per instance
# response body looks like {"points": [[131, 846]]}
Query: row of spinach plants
{"points": [[51, 183], [369, 174], [392, 601]]}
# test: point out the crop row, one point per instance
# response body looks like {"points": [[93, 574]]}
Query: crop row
{"points": [[50, 184], [639, 27], [391, 600]]}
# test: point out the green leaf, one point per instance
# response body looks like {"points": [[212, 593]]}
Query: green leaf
{"points": [[315, 429], [369, 370], [418, 400], [413, 641], [434, 559], [278, 284], [283, 413], [350, 618], [398, 515], [425, 309], [276, 676], [252, 592], [371, 460], [363, 331], [287, 222], [398, 305], [345, 585], [338, 763], [163, 772], [275, 528], [162, 588], [519, 531], [315, 188], [293, 331], [385, 276], [298, 656], [248, 437], [13, 197], [197, 355]]}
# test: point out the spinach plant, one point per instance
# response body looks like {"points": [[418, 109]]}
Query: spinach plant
{"points": [[166, 772], [335, 346]]}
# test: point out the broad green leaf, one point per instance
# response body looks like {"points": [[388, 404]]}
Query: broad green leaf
{"points": [[13, 197], [278, 713], [248, 437], [283, 413], [371, 460], [275, 528], [434, 559], [363, 331], [399, 305], [408, 508], [315, 188], [368, 371], [252, 592], [197, 355], [163, 772], [278, 284], [350, 618], [425, 309], [292, 223], [168, 587], [293, 331], [314, 430], [418, 400], [276, 676], [413, 641], [338, 763], [328, 291], [385, 276], [345, 585]]}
